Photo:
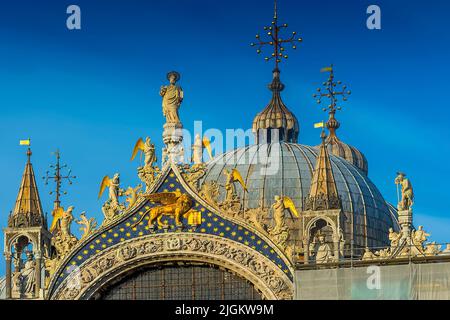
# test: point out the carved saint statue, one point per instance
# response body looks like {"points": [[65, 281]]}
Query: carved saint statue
{"points": [[394, 237], [419, 237], [324, 252], [149, 153], [197, 150], [229, 186], [28, 274], [407, 199], [172, 98], [278, 214]]}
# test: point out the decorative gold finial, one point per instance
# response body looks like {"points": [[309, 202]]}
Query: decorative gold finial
{"points": [[275, 40], [58, 178], [332, 90]]}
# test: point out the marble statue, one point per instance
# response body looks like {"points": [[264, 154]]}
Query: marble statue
{"points": [[28, 274], [394, 237], [197, 150], [148, 148], [324, 252], [407, 198], [419, 236], [172, 95]]}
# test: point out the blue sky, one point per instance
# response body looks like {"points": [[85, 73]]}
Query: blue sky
{"points": [[92, 92]]}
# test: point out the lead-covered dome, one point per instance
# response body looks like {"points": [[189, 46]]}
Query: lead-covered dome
{"points": [[287, 168]]}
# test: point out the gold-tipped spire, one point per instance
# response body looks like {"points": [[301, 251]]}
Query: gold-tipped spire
{"points": [[28, 208], [323, 193]]}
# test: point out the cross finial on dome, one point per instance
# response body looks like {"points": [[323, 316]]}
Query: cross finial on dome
{"points": [[275, 40], [332, 90]]}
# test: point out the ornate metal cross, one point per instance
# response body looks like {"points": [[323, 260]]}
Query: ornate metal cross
{"points": [[332, 90], [275, 40], [58, 178]]}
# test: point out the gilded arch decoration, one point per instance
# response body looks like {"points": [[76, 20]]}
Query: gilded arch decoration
{"points": [[238, 258], [107, 248]]}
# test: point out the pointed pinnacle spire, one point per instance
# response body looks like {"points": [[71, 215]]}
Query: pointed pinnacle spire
{"points": [[28, 208], [323, 193]]}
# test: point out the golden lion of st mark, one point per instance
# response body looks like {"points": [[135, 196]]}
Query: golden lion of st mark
{"points": [[173, 204]]}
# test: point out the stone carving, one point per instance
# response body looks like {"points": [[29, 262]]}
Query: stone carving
{"points": [[418, 237], [432, 249], [324, 253], [63, 240], [210, 192], [87, 225], [279, 232], [148, 175], [172, 95], [132, 195], [232, 203], [250, 264], [24, 276], [193, 174], [407, 198], [394, 237], [256, 217], [368, 255]]}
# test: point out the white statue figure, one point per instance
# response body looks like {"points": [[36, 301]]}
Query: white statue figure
{"points": [[172, 98], [28, 274], [197, 150], [407, 199], [114, 189], [394, 237], [324, 253], [149, 152], [419, 236]]}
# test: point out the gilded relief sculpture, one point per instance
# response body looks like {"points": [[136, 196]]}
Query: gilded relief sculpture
{"points": [[232, 203], [280, 231]]}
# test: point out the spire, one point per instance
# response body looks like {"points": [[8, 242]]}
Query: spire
{"points": [[323, 193], [276, 122], [28, 209], [333, 90]]}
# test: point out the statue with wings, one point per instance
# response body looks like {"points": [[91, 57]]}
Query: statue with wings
{"points": [[231, 177], [172, 204], [114, 189], [148, 148], [279, 207]]}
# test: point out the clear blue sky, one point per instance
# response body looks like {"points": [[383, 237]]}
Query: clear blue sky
{"points": [[91, 93]]}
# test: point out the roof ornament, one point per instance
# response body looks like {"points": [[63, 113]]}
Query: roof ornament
{"points": [[276, 123], [278, 43], [58, 177], [332, 90]]}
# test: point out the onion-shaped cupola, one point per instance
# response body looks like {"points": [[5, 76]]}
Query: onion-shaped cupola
{"points": [[332, 90], [275, 122]]}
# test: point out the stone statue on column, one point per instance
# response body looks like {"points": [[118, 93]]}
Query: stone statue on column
{"points": [[407, 198], [172, 97]]}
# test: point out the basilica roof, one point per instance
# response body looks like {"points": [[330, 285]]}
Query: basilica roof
{"points": [[289, 173]]}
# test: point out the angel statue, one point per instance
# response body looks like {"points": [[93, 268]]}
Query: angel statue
{"points": [[112, 206], [280, 232], [231, 177], [63, 239], [407, 199], [114, 189], [172, 97], [148, 148]]}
